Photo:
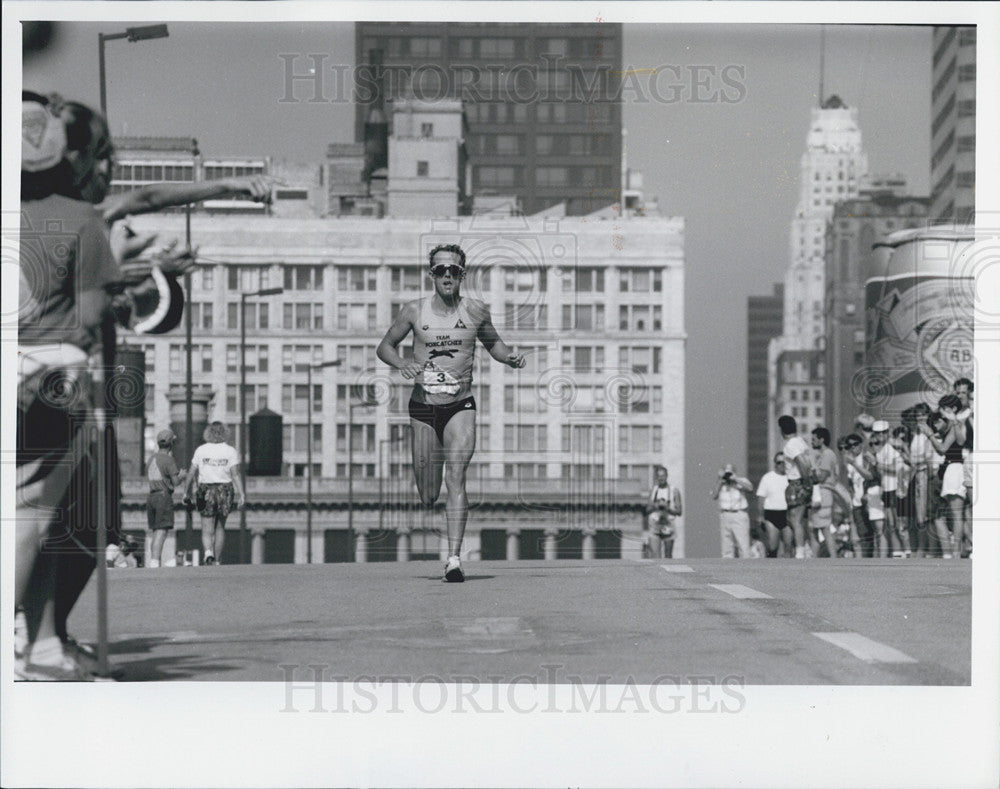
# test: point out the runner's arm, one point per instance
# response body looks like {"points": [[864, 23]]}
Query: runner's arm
{"points": [[496, 347], [388, 348]]}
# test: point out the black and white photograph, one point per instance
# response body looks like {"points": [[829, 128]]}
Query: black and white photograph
{"points": [[500, 394]]}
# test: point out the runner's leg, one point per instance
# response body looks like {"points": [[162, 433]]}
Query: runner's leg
{"points": [[459, 445], [428, 462]]}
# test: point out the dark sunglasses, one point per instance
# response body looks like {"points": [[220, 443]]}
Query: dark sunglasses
{"points": [[454, 272]]}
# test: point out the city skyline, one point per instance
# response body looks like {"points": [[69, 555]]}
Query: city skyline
{"points": [[729, 169]]}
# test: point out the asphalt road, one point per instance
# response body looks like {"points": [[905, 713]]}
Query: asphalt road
{"points": [[762, 622]]}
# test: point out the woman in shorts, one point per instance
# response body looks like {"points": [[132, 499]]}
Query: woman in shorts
{"points": [[217, 486]]}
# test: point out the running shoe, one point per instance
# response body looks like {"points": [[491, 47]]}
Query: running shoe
{"points": [[453, 571], [65, 670], [209, 560]]}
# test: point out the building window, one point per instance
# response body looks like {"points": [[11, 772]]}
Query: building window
{"points": [[356, 278], [426, 129], [422, 168]]}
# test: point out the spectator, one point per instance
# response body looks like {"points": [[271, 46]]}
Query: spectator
{"points": [[890, 465], [734, 522], [164, 477], [922, 465], [947, 434], [905, 516], [824, 476], [863, 427], [798, 494], [214, 468], [860, 473], [664, 505], [774, 510]]}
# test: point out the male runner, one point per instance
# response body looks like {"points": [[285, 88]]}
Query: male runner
{"points": [[445, 328]]}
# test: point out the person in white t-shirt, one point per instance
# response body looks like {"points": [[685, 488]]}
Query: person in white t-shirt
{"points": [[798, 469], [214, 467], [891, 466], [774, 510]]}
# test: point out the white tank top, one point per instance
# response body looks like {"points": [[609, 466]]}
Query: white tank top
{"points": [[445, 345]]}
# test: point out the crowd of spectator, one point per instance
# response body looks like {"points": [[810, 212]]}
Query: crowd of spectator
{"points": [[890, 490]]}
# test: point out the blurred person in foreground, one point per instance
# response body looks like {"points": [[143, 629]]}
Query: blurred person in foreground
{"points": [[663, 506], [67, 271], [731, 493]]}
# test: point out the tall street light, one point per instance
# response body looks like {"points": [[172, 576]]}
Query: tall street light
{"points": [[133, 34], [309, 456], [188, 383], [243, 407], [382, 444], [368, 402]]}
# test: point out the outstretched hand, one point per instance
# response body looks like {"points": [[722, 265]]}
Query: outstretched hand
{"points": [[257, 187]]}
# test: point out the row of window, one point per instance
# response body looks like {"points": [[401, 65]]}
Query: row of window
{"points": [[544, 144], [502, 47], [364, 317], [583, 279], [583, 115]]}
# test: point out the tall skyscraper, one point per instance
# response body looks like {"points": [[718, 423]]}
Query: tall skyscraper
{"points": [[764, 314], [833, 168], [544, 120], [953, 128]]}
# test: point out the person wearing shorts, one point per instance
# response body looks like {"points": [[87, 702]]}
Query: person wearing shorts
{"points": [[771, 495], [663, 506], [219, 490], [798, 468], [446, 327], [164, 477]]}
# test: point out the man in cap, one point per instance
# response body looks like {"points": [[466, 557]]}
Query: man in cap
{"points": [[734, 522], [164, 477]]}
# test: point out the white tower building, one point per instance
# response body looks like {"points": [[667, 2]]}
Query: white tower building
{"points": [[833, 168]]}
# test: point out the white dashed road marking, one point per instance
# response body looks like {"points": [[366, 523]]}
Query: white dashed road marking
{"points": [[741, 592], [865, 648], [677, 568]]}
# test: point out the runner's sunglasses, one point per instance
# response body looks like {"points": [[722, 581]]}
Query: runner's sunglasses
{"points": [[452, 271]]}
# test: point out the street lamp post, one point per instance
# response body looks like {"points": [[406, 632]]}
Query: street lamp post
{"points": [[188, 382], [367, 403], [133, 34], [382, 444], [243, 407], [309, 456]]}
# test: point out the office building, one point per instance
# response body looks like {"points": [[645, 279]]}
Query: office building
{"points": [[953, 125], [544, 118], [764, 321], [833, 168]]}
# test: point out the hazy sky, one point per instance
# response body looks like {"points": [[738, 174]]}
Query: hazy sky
{"points": [[730, 169]]}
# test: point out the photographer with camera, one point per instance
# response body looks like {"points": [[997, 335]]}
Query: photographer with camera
{"points": [[734, 523], [663, 506]]}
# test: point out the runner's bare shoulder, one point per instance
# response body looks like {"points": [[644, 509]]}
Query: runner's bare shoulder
{"points": [[479, 311]]}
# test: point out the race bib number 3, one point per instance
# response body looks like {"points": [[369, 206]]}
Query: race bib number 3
{"points": [[436, 381]]}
